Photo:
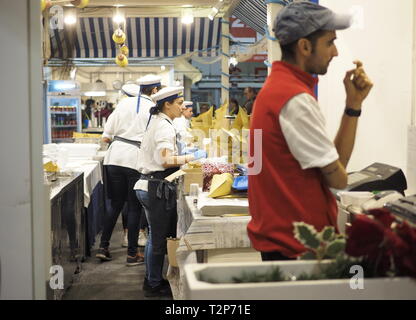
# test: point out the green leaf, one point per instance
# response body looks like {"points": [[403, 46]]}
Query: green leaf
{"points": [[327, 234], [335, 248], [307, 235], [308, 256]]}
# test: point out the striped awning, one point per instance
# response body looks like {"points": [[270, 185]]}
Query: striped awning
{"points": [[254, 12], [146, 38]]}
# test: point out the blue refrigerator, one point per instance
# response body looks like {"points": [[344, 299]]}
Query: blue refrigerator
{"points": [[62, 111]]}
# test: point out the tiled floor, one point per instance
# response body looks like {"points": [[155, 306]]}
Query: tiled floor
{"points": [[111, 280]]}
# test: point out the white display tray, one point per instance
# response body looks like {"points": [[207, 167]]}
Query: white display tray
{"points": [[375, 288]]}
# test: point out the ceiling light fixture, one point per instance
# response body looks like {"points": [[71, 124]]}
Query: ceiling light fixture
{"points": [[96, 89], [187, 16], [215, 10], [233, 61], [70, 19], [119, 18]]}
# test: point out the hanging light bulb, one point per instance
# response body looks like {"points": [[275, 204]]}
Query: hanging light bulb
{"points": [[187, 16], [70, 19], [162, 68], [119, 18]]}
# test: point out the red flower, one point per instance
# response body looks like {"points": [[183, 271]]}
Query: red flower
{"points": [[375, 240], [364, 237], [406, 261], [383, 216]]}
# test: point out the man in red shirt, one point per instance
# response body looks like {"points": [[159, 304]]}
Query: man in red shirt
{"points": [[299, 162]]}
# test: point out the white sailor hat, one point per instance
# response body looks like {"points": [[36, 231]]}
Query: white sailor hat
{"points": [[131, 89], [188, 104], [149, 80], [168, 93]]}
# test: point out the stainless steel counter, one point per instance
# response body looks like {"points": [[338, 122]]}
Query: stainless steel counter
{"points": [[68, 227]]}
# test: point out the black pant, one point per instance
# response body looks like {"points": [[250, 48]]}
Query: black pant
{"points": [[120, 182], [274, 255], [124, 213]]}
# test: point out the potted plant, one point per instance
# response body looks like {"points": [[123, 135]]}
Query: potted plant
{"points": [[376, 259]]}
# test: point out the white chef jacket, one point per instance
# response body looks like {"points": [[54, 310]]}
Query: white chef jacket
{"points": [[182, 125], [161, 134], [125, 122], [303, 127]]}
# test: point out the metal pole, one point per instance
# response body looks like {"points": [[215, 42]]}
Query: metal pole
{"points": [[273, 47], [225, 52], [413, 114]]}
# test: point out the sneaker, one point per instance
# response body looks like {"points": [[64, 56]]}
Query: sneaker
{"points": [[125, 241], [161, 290], [142, 239], [134, 261], [146, 285], [104, 254]]}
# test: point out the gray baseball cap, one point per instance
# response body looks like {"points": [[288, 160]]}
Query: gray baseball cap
{"points": [[300, 19]]}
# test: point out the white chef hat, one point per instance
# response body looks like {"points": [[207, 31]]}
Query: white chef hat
{"points": [[149, 80], [188, 104], [131, 89], [168, 93]]}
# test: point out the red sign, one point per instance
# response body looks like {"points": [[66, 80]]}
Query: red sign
{"points": [[243, 33], [240, 30]]}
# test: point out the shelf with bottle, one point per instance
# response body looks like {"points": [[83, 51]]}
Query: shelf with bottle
{"points": [[63, 120], [62, 134], [63, 140], [63, 113], [63, 109], [64, 126]]}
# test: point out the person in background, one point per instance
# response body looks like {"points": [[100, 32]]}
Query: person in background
{"points": [[104, 113], [299, 161], [123, 128], [250, 95], [233, 108], [183, 123], [146, 91], [160, 158], [203, 108], [86, 112]]}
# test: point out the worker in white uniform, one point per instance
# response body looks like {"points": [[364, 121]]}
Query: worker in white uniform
{"points": [[124, 131], [183, 123], [160, 158]]}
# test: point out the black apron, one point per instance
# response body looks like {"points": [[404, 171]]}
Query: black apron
{"points": [[162, 208]]}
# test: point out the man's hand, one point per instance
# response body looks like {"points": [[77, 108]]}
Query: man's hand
{"points": [[357, 86]]}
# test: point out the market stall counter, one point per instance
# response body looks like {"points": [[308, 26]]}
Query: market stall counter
{"points": [[67, 226], [198, 234], [94, 203]]}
